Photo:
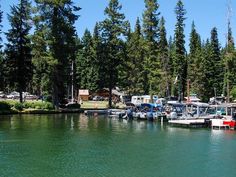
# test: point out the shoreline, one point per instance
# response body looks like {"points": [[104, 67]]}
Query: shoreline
{"points": [[41, 111]]}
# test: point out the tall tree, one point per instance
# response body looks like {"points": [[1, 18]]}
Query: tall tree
{"points": [[18, 49], [180, 63], [42, 59], [229, 58], [134, 69], [217, 64], [59, 17], [194, 61], [113, 27], [166, 74], [207, 71], [99, 61], [1, 15], [171, 54], [87, 66], [151, 36], [1, 54]]}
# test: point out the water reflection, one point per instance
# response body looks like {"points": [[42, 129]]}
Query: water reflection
{"points": [[72, 144]]}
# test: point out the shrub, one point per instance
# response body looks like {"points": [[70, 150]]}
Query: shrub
{"points": [[233, 92], [5, 106], [38, 105], [18, 106], [73, 106]]}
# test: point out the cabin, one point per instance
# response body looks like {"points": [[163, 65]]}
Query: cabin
{"points": [[83, 95], [116, 94]]}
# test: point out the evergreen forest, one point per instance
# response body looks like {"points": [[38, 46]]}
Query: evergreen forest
{"points": [[43, 54]]}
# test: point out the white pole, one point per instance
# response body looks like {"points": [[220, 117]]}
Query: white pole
{"points": [[72, 84]]}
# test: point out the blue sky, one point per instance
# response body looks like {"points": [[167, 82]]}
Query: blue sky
{"points": [[205, 13]]}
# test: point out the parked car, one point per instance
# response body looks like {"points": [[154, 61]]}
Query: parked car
{"points": [[98, 98], [13, 95], [29, 96], [2, 95]]}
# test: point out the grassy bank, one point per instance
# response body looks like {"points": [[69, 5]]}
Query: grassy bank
{"points": [[42, 107], [14, 106], [99, 105]]}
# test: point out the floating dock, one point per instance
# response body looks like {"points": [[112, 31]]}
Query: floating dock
{"points": [[190, 123], [96, 112]]}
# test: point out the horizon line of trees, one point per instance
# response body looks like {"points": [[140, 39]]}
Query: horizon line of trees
{"points": [[139, 61]]}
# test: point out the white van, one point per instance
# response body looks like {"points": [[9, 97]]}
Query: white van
{"points": [[136, 100]]}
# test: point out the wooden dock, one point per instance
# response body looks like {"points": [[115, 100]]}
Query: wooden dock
{"points": [[190, 123]]}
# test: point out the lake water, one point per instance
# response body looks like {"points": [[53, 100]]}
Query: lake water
{"points": [[72, 145]]}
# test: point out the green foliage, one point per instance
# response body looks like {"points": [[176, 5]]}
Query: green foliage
{"points": [[195, 68], [58, 17], [73, 106], [217, 67], [134, 69], [166, 63], [87, 65], [4, 106], [180, 63], [16, 105], [151, 35], [18, 48], [139, 61], [233, 92], [112, 28]]}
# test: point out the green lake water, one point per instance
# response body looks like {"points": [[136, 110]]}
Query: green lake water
{"points": [[72, 145]]}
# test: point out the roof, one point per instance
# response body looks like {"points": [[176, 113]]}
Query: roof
{"points": [[84, 92], [192, 98], [115, 92]]}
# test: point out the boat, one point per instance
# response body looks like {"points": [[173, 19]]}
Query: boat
{"points": [[148, 111], [195, 114], [198, 110], [116, 113], [227, 112], [173, 110]]}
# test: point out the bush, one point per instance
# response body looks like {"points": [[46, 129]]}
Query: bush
{"points": [[18, 106], [233, 92], [5, 106], [73, 106], [38, 105]]}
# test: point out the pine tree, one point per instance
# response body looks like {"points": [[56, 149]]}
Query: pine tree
{"points": [[229, 58], [1, 15], [59, 18], [135, 68], [152, 37], [99, 58], [42, 60], [171, 54], [194, 61], [18, 49], [87, 66], [217, 64], [180, 63], [1, 54], [207, 72], [166, 74], [112, 28]]}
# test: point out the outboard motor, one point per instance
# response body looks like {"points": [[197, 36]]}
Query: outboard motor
{"points": [[173, 115], [150, 116], [129, 113]]}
